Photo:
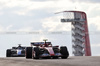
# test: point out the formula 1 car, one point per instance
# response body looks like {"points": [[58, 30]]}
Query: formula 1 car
{"points": [[16, 52], [45, 50]]}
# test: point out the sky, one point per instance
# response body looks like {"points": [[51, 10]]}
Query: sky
{"points": [[25, 21]]}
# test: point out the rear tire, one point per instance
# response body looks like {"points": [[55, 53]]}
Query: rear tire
{"points": [[8, 53], [28, 52], [37, 53], [64, 52]]}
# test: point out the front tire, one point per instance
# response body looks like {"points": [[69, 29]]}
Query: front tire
{"points": [[37, 53], [64, 52], [28, 52], [8, 53]]}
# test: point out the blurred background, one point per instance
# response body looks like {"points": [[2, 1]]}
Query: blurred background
{"points": [[23, 21]]}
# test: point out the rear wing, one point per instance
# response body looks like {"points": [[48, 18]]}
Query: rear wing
{"points": [[18, 47], [39, 43]]}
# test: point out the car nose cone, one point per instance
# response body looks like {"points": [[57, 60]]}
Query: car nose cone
{"points": [[19, 52]]}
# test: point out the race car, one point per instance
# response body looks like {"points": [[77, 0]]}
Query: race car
{"points": [[45, 50], [16, 51]]}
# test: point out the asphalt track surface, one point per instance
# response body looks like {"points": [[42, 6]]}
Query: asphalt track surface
{"points": [[71, 61]]}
